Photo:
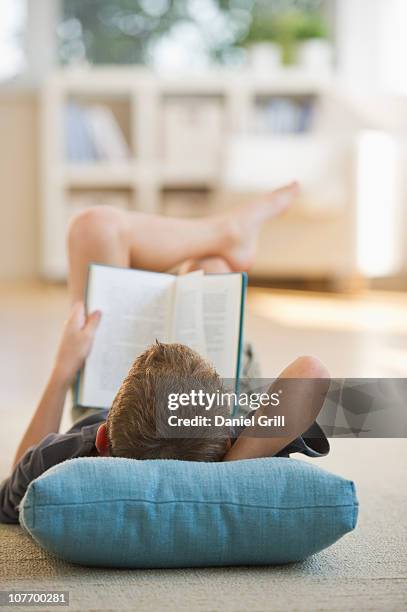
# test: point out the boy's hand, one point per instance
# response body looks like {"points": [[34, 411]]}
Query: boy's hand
{"points": [[76, 342]]}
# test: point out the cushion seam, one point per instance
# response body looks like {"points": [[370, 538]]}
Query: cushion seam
{"points": [[183, 501]]}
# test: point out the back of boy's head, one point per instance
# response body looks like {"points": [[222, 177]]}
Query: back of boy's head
{"points": [[137, 424]]}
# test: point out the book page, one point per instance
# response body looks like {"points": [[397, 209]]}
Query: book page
{"points": [[188, 327], [136, 311], [222, 298]]}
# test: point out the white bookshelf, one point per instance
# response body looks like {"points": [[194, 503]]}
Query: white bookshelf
{"points": [[146, 175]]}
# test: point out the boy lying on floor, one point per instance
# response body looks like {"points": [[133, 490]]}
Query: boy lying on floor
{"points": [[109, 236]]}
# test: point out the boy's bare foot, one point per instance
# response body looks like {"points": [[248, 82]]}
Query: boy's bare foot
{"points": [[244, 225]]}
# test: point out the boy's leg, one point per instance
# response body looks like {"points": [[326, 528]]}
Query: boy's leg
{"points": [[304, 398], [210, 265], [106, 235]]}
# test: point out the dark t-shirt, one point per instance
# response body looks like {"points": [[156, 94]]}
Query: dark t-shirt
{"points": [[79, 441]]}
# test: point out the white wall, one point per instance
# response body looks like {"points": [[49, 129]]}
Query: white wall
{"points": [[18, 186], [357, 32], [372, 44]]}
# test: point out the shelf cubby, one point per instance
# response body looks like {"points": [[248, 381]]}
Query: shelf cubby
{"points": [[193, 148]]}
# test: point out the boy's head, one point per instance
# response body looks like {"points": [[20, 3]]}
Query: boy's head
{"points": [[137, 424]]}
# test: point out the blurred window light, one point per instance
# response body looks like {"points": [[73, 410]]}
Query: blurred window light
{"points": [[13, 15], [155, 8], [393, 46], [183, 48], [372, 44], [377, 205], [367, 312], [167, 33]]}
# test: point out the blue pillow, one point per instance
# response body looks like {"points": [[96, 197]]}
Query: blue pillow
{"points": [[165, 513]]}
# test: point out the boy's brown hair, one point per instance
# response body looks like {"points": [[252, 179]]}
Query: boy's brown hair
{"points": [[137, 424]]}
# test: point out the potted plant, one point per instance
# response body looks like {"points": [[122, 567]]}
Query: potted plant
{"points": [[265, 53], [300, 36], [314, 49]]}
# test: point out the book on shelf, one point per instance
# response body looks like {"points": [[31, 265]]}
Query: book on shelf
{"points": [[93, 134], [283, 115], [204, 312], [108, 139], [79, 145]]}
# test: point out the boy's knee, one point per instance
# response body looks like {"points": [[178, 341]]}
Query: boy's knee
{"points": [[308, 366], [98, 222]]}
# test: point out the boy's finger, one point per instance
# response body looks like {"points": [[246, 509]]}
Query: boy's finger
{"points": [[93, 321], [77, 315]]}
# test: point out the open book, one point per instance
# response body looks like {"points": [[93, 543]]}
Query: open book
{"points": [[205, 312]]}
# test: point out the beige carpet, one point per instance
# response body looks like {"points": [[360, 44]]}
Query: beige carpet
{"points": [[366, 570]]}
